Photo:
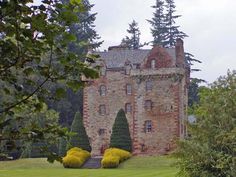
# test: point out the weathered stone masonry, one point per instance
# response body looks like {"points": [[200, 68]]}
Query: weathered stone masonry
{"points": [[151, 85]]}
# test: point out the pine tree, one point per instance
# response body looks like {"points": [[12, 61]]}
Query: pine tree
{"points": [[81, 138], [120, 137], [173, 30], [158, 29], [85, 31], [132, 42]]}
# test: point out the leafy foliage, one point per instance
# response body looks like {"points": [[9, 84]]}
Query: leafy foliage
{"points": [[80, 139], [120, 137], [85, 38], [210, 150], [34, 55]]}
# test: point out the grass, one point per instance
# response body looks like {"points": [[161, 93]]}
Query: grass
{"points": [[134, 167]]}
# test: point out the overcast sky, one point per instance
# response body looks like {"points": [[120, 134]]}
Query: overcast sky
{"points": [[210, 24]]}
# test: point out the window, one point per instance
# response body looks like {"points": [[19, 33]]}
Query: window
{"points": [[127, 70], [128, 108], [103, 90], [148, 126], [102, 109], [153, 63], [148, 85], [148, 104], [101, 131], [103, 72], [128, 89]]}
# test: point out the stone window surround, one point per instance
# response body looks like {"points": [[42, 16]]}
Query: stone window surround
{"points": [[103, 71], [128, 108], [102, 109], [153, 63], [101, 131], [148, 104], [102, 90], [149, 85], [148, 126], [128, 89]]}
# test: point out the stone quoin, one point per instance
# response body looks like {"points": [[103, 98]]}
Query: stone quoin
{"points": [[151, 86]]}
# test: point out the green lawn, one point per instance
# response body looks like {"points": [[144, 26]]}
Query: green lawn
{"points": [[134, 167]]}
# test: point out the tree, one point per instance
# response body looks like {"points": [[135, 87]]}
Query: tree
{"points": [[159, 29], [120, 137], [132, 42], [62, 147], [173, 30], [80, 139], [210, 150], [86, 38], [193, 92], [34, 55]]}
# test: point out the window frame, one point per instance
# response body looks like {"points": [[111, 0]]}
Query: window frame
{"points": [[103, 90], [126, 108], [128, 89], [149, 85], [153, 63], [148, 105], [148, 126], [102, 109]]}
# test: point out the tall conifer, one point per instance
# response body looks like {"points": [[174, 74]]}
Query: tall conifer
{"points": [[158, 29], [132, 42], [120, 137], [173, 29], [81, 138]]}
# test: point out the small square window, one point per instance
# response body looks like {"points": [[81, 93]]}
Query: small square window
{"points": [[128, 89], [102, 109], [101, 131], [128, 108]]}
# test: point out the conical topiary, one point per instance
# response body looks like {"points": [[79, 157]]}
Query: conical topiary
{"points": [[81, 138], [62, 147], [120, 137]]}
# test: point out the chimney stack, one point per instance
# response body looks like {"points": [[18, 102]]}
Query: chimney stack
{"points": [[179, 50]]}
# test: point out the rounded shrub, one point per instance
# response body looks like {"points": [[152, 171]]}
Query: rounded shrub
{"points": [[71, 161], [110, 161], [75, 158], [122, 154], [113, 156]]}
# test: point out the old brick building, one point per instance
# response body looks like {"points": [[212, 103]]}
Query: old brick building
{"points": [[151, 86]]}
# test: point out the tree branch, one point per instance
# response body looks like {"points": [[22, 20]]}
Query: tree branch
{"points": [[23, 100]]}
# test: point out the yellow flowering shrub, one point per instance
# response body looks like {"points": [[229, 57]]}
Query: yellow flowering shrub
{"points": [[110, 161], [74, 149], [113, 156], [75, 158], [122, 154], [71, 161]]}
